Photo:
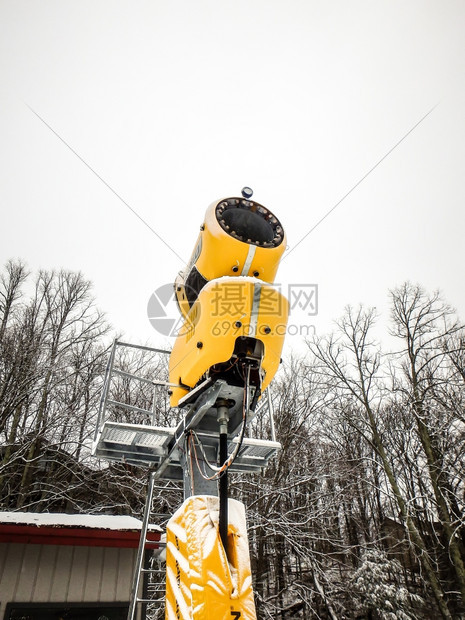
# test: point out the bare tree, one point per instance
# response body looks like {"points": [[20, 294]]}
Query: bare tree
{"points": [[424, 323], [350, 366], [10, 290]]}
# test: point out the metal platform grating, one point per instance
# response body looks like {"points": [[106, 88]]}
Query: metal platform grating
{"points": [[151, 440], [152, 445], [121, 437], [132, 443]]}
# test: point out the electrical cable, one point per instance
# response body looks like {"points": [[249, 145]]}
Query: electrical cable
{"points": [[232, 457], [191, 465]]}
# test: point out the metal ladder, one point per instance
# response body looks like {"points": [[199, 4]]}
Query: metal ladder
{"points": [[149, 570]]}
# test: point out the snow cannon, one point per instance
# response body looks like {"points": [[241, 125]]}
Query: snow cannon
{"points": [[233, 317]]}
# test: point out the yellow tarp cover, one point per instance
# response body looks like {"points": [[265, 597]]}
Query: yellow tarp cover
{"points": [[201, 582]]}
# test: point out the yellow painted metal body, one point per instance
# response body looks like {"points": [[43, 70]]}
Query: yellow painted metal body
{"points": [[217, 253], [226, 309], [201, 584]]}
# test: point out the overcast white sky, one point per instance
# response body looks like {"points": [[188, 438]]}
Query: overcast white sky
{"points": [[178, 103]]}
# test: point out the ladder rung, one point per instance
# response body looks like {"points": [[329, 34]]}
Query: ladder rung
{"points": [[155, 586]]}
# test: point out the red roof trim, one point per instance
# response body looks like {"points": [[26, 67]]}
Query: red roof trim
{"points": [[88, 537]]}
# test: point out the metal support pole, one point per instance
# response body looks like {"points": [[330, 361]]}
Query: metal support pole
{"points": [[145, 582], [271, 414], [106, 387], [223, 419], [193, 481]]}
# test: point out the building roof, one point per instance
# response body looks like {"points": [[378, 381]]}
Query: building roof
{"points": [[81, 530]]}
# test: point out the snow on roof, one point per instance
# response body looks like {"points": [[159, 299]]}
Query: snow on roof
{"points": [[99, 522]]}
